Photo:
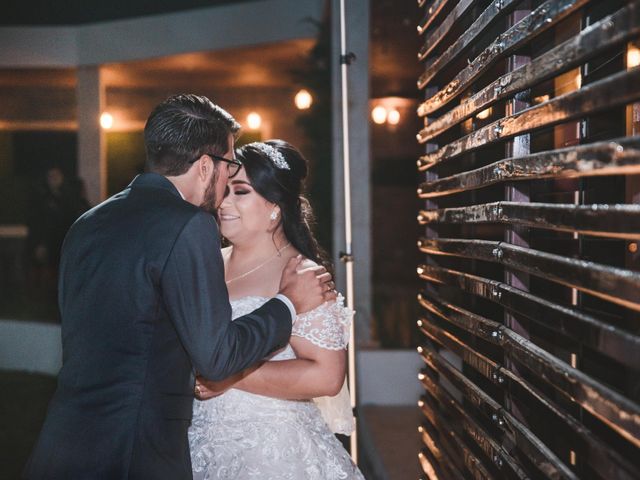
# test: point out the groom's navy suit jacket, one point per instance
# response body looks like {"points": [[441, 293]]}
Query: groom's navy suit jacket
{"points": [[143, 304]]}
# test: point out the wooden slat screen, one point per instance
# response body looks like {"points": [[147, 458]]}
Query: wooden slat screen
{"points": [[530, 308]]}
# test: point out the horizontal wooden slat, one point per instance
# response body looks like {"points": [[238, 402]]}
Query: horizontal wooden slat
{"points": [[430, 468], [508, 466], [539, 453], [481, 363], [618, 89], [432, 13], [439, 32], [538, 21], [457, 445], [610, 283], [615, 157], [597, 38], [620, 413], [600, 456], [616, 221], [492, 13], [442, 460], [481, 327], [620, 345]]}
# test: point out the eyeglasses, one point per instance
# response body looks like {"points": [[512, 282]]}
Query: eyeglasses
{"points": [[233, 165]]}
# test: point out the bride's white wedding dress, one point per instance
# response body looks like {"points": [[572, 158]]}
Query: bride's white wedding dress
{"points": [[240, 435]]}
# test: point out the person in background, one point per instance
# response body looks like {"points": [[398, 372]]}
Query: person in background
{"points": [[54, 206]]}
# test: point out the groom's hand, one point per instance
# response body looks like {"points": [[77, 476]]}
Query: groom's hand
{"points": [[306, 284], [206, 389]]}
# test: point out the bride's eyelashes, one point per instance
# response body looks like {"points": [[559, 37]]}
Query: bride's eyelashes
{"points": [[237, 191]]}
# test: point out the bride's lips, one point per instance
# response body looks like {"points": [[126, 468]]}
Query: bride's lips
{"points": [[226, 217]]}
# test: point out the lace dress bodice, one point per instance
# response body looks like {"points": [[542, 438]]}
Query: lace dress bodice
{"points": [[240, 435]]}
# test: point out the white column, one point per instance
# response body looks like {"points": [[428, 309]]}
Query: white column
{"points": [[92, 161], [357, 33]]}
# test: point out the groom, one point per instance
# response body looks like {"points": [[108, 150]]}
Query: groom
{"points": [[144, 305]]}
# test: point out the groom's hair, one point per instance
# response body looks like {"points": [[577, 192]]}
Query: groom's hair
{"points": [[182, 129]]}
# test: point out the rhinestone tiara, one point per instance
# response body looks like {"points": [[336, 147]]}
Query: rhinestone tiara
{"points": [[274, 155]]}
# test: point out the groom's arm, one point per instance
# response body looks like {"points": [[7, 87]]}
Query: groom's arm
{"points": [[196, 298], [315, 373]]}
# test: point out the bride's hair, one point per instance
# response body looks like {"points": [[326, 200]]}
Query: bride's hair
{"points": [[277, 171]]}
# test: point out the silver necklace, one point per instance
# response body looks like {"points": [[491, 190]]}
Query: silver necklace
{"points": [[277, 254]]}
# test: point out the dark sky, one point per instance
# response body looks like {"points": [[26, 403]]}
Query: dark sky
{"points": [[73, 12]]}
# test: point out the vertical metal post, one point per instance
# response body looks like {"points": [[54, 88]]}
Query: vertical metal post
{"points": [[347, 255], [350, 143]]}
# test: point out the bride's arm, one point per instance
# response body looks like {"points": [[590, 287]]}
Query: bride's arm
{"points": [[319, 339], [317, 372]]}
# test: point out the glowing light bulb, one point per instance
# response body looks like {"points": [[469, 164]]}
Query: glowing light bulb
{"points": [[379, 114], [106, 120], [303, 99], [484, 113], [633, 56], [393, 117], [254, 120]]}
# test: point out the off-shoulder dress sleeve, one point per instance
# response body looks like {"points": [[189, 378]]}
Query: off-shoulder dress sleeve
{"points": [[328, 327]]}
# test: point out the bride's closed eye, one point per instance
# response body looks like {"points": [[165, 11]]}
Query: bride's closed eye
{"points": [[241, 191]]}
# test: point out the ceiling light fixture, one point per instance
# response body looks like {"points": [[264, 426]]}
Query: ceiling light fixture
{"points": [[106, 120], [303, 99], [254, 121], [379, 114], [393, 117]]}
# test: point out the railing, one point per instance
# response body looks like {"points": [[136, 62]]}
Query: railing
{"points": [[531, 187]]}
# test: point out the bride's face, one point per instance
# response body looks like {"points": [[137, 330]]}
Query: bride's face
{"points": [[244, 213]]}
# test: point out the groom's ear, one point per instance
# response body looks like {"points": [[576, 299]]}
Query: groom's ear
{"points": [[205, 167]]}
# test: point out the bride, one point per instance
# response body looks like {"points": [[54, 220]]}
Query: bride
{"points": [[276, 421]]}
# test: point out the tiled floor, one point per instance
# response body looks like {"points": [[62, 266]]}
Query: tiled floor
{"points": [[389, 442]]}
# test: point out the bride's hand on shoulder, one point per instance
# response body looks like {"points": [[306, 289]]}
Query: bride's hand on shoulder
{"points": [[306, 284]]}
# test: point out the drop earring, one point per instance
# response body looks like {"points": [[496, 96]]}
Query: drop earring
{"points": [[274, 215]]}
